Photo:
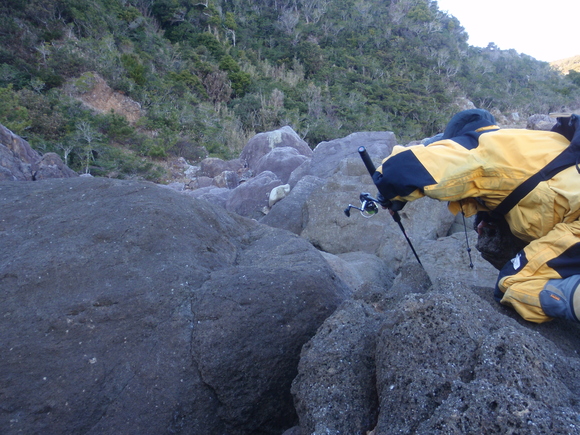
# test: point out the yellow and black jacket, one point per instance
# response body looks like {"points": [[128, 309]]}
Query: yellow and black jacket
{"points": [[474, 167], [481, 172]]}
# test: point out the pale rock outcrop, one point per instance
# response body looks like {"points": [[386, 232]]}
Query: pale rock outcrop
{"points": [[278, 193]]}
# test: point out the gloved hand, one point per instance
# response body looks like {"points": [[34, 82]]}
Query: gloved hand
{"points": [[397, 205], [391, 205], [385, 203]]}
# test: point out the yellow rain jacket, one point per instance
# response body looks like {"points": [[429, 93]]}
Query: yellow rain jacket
{"points": [[475, 171]]}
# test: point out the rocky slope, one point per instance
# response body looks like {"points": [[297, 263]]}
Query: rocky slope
{"points": [[130, 307]]}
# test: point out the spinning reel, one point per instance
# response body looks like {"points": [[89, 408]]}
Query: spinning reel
{"points": [[368, 206]]}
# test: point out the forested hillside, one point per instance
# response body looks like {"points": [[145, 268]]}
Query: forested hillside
{"points": [[570, 65], [209, 74]]}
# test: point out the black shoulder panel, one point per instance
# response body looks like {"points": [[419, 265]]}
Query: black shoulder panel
{"points": [[402, 174]]}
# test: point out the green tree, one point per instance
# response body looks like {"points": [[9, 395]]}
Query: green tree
{"points": [[574, 76], [13, 115], [135, 68]]}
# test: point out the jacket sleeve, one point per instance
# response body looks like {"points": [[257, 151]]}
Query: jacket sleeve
{"points": [[443, 170], [402, 175]]}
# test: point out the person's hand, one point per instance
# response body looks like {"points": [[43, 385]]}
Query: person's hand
{"points": [[392, 206], [384, 203], [397, 206]]}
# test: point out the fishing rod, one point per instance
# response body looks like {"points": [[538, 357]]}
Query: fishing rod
{"points": [[369, 206]]}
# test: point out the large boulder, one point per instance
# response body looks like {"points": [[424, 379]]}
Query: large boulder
{"points": [[330, 230], [129, 308], [448, 259], [17, 158], [18, 161], [331, 157], [367, 274], [212, 166], [335, 391], [251, 323], [437, 358], [52, 166], [448, 367], [540, 122], [262, 143], [250, 199], [290, 212], [214, 195], [11, 167], [281, 161]]}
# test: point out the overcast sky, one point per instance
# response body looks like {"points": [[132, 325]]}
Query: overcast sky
{"points": [[544, 30]]}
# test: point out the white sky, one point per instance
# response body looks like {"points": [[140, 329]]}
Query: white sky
{"points": [[544, 30]]}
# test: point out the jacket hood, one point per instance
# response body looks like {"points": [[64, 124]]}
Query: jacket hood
{"points": [[468, 120]]}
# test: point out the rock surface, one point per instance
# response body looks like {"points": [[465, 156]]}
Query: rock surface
{"points": [[333, 156], [129, 308], [281, 161], [263, 143], [19, 162], [473, 369], [440, 358], [540, 122], [335, 390], [250, 199]]}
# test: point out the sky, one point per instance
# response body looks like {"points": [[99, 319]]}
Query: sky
{"points": [[545, 31]]}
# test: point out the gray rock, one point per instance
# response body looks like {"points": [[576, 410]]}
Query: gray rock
{"points": [[411, 279], [227, 179], [177, 186], [447, 259], [130, 308], [335, 390], [211, 167], [52, 166], [19, 147], [540, 122], [18, 161], [214, 195], [459, 224], [262, 143], [251, 323], [330, 157], [250, 199], [428, 219], [424, 221], [330, 230], [448, 367], [281, 161], [300, 172], [11, 168], [201, 182], [290, 213], [369, 276]]}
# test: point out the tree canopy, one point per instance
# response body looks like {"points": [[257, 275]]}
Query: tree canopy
{"points": [[209, 74]]}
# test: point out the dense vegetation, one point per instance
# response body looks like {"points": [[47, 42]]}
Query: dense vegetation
{"points": [[211, 73]]}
